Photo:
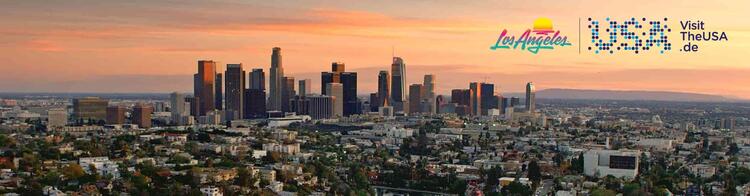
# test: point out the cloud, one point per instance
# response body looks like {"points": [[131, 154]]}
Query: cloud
{"points": [[43, 45]]}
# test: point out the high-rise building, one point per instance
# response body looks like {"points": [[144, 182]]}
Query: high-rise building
{"points": [[439, 101], [287, 93], [351, 102], [398, 82], [235, 91], [276, 77], [90, 108], [384, 86], [462, 99], [515, 102], [336, 90], [255, 103], [416, 92], [178, 108], [338, 74], [298, 105], [331, 77], [461, 96], [373, 103], [142, 115], [204, 87], [57, 118], [320, 106], [429, 94], [487, 96], [258, 79], [116, 114], [530, 97], [476, 98], [305, 87], [219, 101]]}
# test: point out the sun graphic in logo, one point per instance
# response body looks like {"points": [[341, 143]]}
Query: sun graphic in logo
{"points": [[543, 26]]}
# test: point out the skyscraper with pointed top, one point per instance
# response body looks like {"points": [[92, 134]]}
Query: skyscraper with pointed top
{"points": [[275, 79], [398, 80], [384, 86]]}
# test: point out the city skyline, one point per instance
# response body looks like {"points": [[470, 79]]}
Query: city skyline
{"points": [[52, 46]]}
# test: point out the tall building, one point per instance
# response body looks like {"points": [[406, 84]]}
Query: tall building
{"points": [[305, 87], [287, 93], [476, 99], [351, 102], [429, 94], [57, 118], [515, 102], [235, 91], [142, 115], [258, 79], [298, 105], [331, 77], [255, 103], [276, 76], [384, 86], [178, 108], [373, 104], [416, 92], [439, 101], [488, 97], [205, 89], [530, 97], [320, 106], [116, 114], [90, 108], [462, 100], [398, 82], [338, 74], [336, 90], [219, 101]]}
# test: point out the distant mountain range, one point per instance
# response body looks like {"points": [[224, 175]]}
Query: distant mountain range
{"points": [[556, 93]]}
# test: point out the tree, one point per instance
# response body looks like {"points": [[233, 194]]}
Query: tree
{"points": [[603, 192], [73, 171], [535, 175], [245, 178]]}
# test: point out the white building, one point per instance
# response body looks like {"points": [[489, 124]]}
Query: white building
{"points": [[618, 163], [656, 144], [102, 165], [282, 148]]}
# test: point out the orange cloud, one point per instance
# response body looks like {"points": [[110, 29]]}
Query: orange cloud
{"points": [[43, 45]]}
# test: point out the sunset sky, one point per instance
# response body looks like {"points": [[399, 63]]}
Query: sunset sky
{"points": [[154, 46]]}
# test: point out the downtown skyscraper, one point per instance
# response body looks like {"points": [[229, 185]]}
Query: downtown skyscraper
{"points": [[255, 96], [398, 82], [429, 94], [476, 98], [204, 87], [488, 97], [235, 91], [348, 80], [384, 86], [275, 80], [530, 97]]}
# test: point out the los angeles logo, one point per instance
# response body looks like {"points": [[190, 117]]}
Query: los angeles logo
{"points": [[543, 36]]}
